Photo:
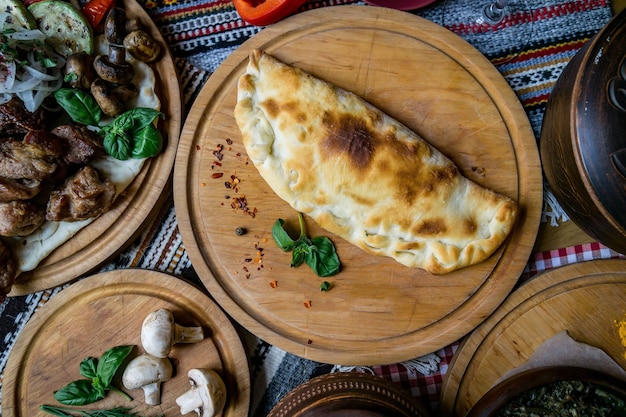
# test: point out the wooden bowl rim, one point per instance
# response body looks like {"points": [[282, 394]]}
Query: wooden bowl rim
{"points": [[503, 391]]}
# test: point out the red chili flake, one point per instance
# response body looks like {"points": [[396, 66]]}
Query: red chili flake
{"points": [[248, 260], [198, 147], [218, 163], [217, 175], [274, 284], [229, 141], [307, 303], [239, 203], [247, 276], [245, 268], [218, 152], [309, 342], [238, 154]]}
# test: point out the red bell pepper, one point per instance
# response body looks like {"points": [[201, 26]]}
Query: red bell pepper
{"points": [[95, 10], [265, 12]]}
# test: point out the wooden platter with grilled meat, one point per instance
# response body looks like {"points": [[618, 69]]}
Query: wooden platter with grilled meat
{"points": [[111, 232]]}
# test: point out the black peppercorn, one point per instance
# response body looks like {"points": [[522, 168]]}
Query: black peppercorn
{"points": [[240, 231]]}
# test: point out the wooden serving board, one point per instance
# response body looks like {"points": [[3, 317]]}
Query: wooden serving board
{"points": [[107, 310], [585, 299], [377, 311], [136, 206]]}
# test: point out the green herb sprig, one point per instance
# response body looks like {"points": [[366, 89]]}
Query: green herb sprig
{"points": [[318, 253], [132, 134], [79, 105], [100, 374], [70, 412]]}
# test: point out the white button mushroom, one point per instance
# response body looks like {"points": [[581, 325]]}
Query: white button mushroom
{"points": [[207, 395], [159, 333], [147, 372]]}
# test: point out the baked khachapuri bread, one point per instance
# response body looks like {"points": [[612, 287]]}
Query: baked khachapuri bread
{"points": [[361, 174]]}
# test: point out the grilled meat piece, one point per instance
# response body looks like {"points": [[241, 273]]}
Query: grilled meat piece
{"points": [[84, 195], [20, 218], [16, 120], [25, 160], [8, 270], [45, 141], [81, 144], [20, 189]]}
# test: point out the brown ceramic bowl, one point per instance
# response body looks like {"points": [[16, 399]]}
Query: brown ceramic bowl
{"points": [[583, 150], [348, 394], [501, 393]]}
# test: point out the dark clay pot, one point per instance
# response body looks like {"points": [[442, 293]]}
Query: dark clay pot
{"points": [[583, 137]]}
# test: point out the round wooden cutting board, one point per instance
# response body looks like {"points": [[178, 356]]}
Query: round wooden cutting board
{"points": [[377, 310], [137, 205], [107, 310], [585, 299]]}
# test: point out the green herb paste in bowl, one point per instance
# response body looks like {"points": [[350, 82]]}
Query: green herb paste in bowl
{"points": [[554, 392]]}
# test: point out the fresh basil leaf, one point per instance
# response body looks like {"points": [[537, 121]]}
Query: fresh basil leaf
{"points": [[323, 260], [282, 239], [79, 105], [147, 143], [88, 367], [299, 254], [141, 117], [97, 385], [123, 123], [109, 363], [325, 286], [78, 392], [117, 145]]}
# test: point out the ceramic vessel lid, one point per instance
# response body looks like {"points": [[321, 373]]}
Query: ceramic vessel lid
{"points": [[600, 109]]}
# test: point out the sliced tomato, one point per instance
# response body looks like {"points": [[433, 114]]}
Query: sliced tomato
{"points": [[265, 12], [95, 10]]}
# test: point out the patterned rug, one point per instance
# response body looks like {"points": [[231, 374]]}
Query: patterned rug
{"points": [[201, 34]]}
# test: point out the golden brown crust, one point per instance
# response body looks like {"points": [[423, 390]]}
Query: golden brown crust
{"points": [[362, 175]]}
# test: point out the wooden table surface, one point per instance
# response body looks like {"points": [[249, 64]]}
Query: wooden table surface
{"points": [[562, 236]]}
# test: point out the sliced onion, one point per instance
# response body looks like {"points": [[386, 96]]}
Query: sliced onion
{"points": [[31, 81]]}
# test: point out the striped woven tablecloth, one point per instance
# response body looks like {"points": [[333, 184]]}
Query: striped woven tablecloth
{"points": [[201, 34]]}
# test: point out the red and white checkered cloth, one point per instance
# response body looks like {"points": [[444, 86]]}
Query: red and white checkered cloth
{"points": [[426, 388]]}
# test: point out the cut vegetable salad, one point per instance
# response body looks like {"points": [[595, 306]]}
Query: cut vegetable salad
{"points": [[29, 69]]}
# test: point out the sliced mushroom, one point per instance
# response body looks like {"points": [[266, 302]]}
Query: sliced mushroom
{"points": [[79, 71], [104, 94], [115, 26], [147, 372], [207, 396], [114, 68], [159, 333], [142, 46]]}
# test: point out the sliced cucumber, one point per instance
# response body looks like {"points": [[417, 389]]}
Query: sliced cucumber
{"points": [[17, 14], [67, 29]]}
